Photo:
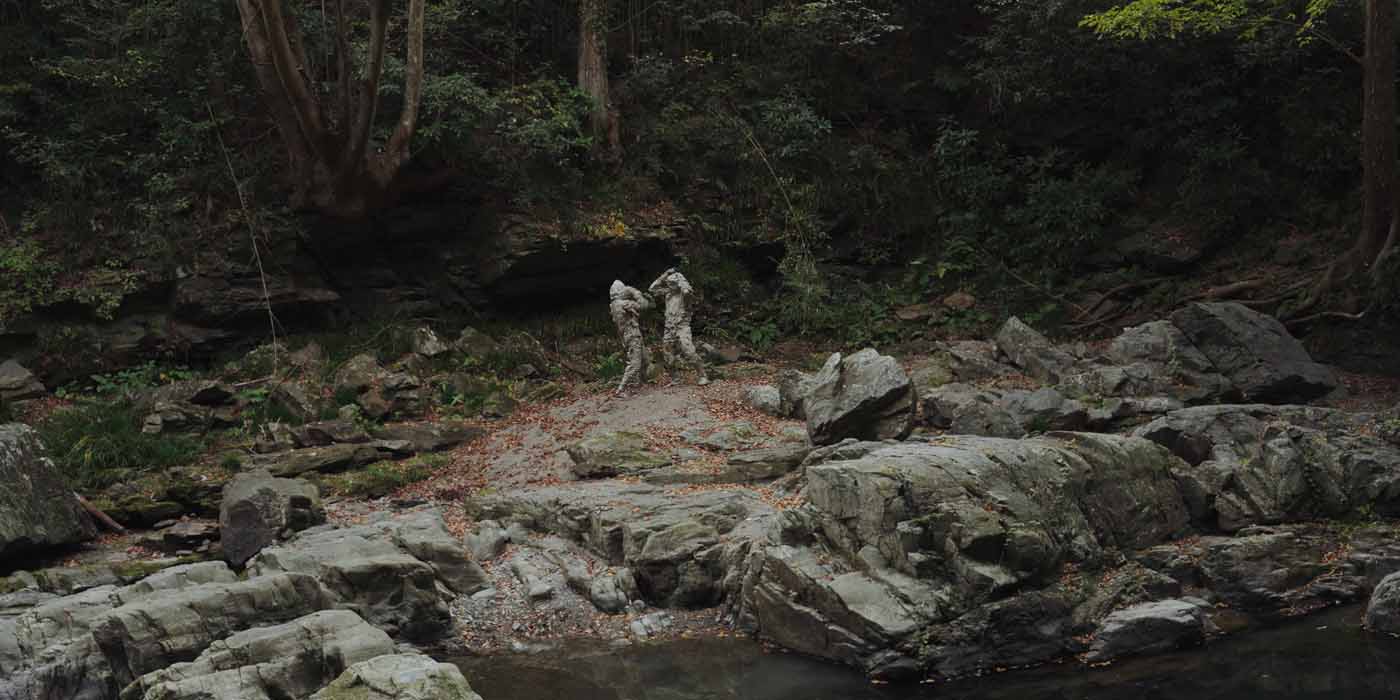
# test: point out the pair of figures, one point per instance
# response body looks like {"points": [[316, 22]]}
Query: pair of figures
{"points": [[627, 304]]}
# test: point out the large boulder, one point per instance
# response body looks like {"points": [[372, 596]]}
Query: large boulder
{"points": [[290, 660], [948, 555], [865, 396], [1383, 611], [1156, 359], [1262, 361], [258, 508], [399, 677], [393, 571], [37, 509]]}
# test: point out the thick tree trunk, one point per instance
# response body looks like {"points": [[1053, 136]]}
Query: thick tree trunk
{"points": [[593, 73], [1380, 217], [333, 169]]}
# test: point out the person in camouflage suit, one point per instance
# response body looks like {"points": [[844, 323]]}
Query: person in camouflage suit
{"points": [[677, 344], [626, 305]]}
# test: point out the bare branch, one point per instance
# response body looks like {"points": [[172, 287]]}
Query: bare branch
{"points": [[369, 98]]}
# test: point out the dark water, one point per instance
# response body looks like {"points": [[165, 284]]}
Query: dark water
{"points": [[1324, 656]]}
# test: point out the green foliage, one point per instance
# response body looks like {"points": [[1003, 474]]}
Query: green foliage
{"points": [[609, 366], [131, 380], [99, 443]]}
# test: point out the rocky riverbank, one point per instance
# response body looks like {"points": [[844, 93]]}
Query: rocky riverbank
{"points": [[981, 506]]}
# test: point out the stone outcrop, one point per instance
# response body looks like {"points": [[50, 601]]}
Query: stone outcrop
{"points": [[258, 508], [671, 546], [865, 396], [92, 644], [1259, 464], [37, 511], [291, 660], [390, 570]]}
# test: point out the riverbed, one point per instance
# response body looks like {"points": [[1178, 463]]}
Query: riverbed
{"points": [[1326, 655]]}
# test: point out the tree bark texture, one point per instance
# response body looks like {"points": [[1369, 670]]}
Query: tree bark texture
{"points": [[331, 165]]}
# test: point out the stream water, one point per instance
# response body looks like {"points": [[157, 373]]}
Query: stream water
{"points": [[1323, 656]]}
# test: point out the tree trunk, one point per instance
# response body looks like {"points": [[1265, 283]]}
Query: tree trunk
{"points": [[1380, 216], [1378, 131], [333, 169], [593, 73]]}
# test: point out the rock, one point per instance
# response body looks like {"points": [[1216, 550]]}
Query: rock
{"points": [[258, 508], [310, 359], [1032, 352], [866, 396], [1262, 361], [726, 354], [276, 437], [329, 459], [961, 301], [296, 401], [37, 510], [1383, 611], [1149, 628], [766, 463], [1044, 410], [764, 398], [186, 535], [612, 591], [427, 343], [726, 438], [290, 660], [1158, 359], [399, 677], [357, 375], [487, 541], [18, 383], [388, 570], [952, 549], [1158, 251], [177, 625], [474, 343], [962, 409], [613, 454], [618, 521], [331, 432], [1259, 464], [428, 437], [793, 387], [49, 651]]}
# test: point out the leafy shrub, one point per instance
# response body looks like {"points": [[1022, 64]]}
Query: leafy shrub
{"points": [[99, 443], [610, 366]]}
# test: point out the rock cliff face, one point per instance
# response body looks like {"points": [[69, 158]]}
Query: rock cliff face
{"points": [[37, 510]]}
